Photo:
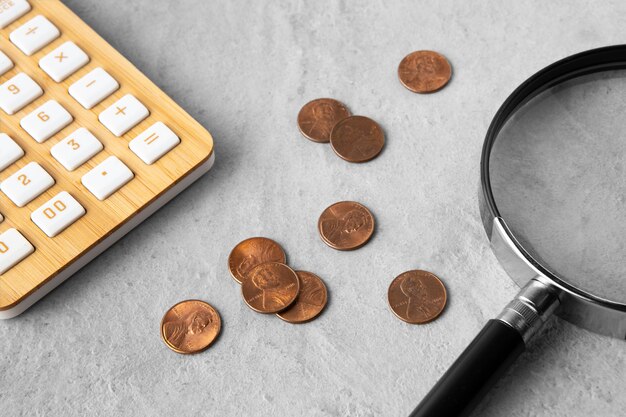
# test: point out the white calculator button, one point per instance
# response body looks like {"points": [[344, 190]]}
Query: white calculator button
{"points": [[18, 92], [1, 218], [34, 35], [46, 120], [76, 149], [5, 63], [154, 142], [13, 248], [26, 184], [123, 115], [108, 177], [58, 214], [9, 151], [63, 61], [11, 10], [93, 88]]}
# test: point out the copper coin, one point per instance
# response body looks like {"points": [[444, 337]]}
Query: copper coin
{"points": [[310, 301], [190, 326], [424, 71], [318, 117], [252, 252], [357, 139], [346, 225], [417, 297], [270, 287]]}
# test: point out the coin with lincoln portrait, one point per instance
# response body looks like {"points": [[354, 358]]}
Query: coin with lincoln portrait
{"points": [[346, 225], [252, 252], [318, 117], [190, 326], [310, 302], [424, 71], [417, 297], [357, 139], [270, 287]]}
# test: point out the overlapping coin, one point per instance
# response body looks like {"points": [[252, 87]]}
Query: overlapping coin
{"points": [[346, 225], [357, 139], [424, 71], [270, 287], [417, 297], [310, 301], [318, 117], [190, 326], [252, 252]]}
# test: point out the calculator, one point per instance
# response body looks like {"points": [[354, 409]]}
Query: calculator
{"points": [[89, 148]]}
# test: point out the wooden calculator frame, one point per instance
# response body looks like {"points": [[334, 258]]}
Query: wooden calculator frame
{"points": [[56, 259]]}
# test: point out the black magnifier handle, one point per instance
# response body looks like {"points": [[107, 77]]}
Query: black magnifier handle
{"points": [[490, 354]]}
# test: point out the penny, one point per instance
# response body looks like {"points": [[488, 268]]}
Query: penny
{"points": [[346, 225], [424, 71], [357, 139], [190, 326], [270, 287], [252, 252], [318, 117], [417, 297], [310, 301]]}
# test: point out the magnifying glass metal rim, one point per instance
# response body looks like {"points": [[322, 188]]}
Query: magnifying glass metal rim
{"points": [[543, 293], [577, 306]]}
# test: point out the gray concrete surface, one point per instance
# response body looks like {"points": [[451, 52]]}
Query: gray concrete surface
{"points": [[244, 69]]}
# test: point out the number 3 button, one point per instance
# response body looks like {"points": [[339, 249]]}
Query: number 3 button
{"points": [[57, 214], [76, 149]]}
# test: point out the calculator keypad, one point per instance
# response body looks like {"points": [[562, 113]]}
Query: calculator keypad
{"points": [[12, 10], [64, 61], [154, 142], [46, 120], [123, 115], [18, 92], [76, 149], [58, 214], [106, 178], [34, 35], [93, 88], [13, 248], [5, 63], [27, 184], [11, 151]]}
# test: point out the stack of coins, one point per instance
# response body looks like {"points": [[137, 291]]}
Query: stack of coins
{"points": [[270, 286], [353, 138]]}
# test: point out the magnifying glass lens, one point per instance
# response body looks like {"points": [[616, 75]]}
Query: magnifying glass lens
{"points": [[558, 175]]}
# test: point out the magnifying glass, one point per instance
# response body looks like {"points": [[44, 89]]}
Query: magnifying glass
{"points": [[553, 203]]}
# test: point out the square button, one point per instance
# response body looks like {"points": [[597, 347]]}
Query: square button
{"points": [[46, 120], [123, 115], [154, 142], [5, 63], [76, 149], [106, 178], [9, 151], [93, 88], [18, 92], [13, 248], [34, 35], [11, 10], [27, 184], [64, 61], [58, 214]]}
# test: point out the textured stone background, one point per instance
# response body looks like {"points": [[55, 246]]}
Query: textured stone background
{"points": [[244, 69]]}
